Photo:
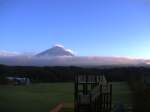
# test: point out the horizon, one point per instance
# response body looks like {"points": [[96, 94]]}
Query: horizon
{"points": [[4, 53]]}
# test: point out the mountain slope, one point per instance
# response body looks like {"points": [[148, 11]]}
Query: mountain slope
{"points": [[56, 50]]}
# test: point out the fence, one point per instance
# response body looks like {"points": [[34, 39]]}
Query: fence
{"points": [[92, 93]]}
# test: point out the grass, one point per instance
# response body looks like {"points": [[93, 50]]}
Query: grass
{"points": [[121, 93], [43, 97], [67, 110], [34, 98]]}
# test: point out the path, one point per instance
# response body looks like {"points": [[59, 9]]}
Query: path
{"points": [[61, 105]]}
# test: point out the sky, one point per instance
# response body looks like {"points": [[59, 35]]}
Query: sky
{"points": [[88, 27]]}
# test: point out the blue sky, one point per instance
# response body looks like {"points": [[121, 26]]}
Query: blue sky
{"points": [[89, 27]]}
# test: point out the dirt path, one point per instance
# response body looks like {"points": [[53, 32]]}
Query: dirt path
{"points": [[57, 108], [61, 105]]}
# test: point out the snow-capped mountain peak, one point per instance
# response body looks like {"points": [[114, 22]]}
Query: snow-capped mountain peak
{"points": [[56, 50]]}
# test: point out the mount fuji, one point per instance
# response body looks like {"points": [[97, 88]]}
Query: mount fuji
{"points": [[56, 50]]}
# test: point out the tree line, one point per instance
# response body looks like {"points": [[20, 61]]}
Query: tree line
{"points": [[66, 74]]}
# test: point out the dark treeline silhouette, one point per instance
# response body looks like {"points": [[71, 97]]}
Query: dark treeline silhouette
{"points": [[66, 74]]}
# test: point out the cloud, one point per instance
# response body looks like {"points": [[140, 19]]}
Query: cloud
{"points": [[70, 61], [58, 45], [71, 51], [68, 50], [30, 59], [7, 53]]}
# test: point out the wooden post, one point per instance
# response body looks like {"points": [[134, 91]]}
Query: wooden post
{"points": [[75, 93], [100, 99], [110, 99], [86, 85]]}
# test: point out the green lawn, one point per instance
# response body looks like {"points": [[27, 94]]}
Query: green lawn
{"points": [[34, 98], [121, 93], [67, 110], [42, 97]]}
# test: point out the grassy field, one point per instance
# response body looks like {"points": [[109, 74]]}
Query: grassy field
{"points": [[42, 97], [121, 93], [34, 98]]}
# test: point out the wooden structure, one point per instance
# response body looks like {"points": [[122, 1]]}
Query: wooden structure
{"points": [[92, 93]]}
